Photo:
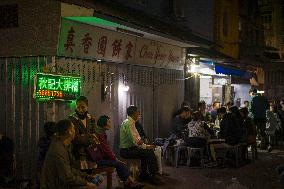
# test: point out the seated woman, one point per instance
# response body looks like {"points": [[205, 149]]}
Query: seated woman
{"points": [[109, 158], [197, 134]]}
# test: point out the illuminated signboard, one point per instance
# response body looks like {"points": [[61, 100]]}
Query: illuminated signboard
{"points": [[56, 87]]}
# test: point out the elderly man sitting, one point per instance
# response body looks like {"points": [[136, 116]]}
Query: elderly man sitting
{"points": [[133, 147]]}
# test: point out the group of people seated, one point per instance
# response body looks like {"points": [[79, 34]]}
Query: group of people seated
{"points": [[230, 123], [75, 146]]}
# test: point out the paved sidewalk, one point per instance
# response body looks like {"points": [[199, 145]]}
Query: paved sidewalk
{"points": [[257, 175]]}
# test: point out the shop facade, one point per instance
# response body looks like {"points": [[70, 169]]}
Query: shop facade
{"points": [[116, 70]]}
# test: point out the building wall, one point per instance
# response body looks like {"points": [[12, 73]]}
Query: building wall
{"points": [[241, 92], [251, 31], [226, 27], [206, 90], [279, 14], [21, 117], [156, 92], [192, 91], [274, 84], [196, 15], [273, 21], [37, 30]]}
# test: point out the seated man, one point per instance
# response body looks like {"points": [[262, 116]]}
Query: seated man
{"points": [[6, 160], [132, 147], [229, 127], [44, 142], [229, 130], [178, 123], [57, 171], [157, 150]]}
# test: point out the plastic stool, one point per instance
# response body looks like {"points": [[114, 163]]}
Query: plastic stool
{"points": [[191, 151]]}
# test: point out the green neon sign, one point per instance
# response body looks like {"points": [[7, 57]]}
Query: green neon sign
{"points": [[53, 86]]}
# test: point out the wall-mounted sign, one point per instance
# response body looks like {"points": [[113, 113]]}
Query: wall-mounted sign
{"points": [[86, 41], [56, 87]]}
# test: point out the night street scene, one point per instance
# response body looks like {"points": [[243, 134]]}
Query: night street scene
{"points": [[152, 94]]}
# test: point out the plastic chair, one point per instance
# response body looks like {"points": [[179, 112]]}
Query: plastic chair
{"points": [[177, 151], [191, 151]]}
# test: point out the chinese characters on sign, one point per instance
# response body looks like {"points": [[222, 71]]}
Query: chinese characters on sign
{"points": [[69, 42], [102, 45], [87, 42], [91, 42], [116, 47], [50, 86]]}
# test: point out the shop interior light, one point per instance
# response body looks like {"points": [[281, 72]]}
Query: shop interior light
{"points": [[193, 68], [206, 71], [205, 77], [193, 55], [123, 88], [99, 60], [260, 92]]}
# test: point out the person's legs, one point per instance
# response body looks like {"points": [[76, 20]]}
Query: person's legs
{"points": [[132, 153], [261, 126], [121, 169], [158, 154], [147, 157]]}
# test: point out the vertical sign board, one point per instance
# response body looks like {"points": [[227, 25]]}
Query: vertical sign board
{"points": [[56, 87]]}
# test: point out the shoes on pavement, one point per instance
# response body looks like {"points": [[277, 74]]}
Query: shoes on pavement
{"points": [[134, 185]]}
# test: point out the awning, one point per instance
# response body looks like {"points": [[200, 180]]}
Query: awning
{"points": [[232, 71]]}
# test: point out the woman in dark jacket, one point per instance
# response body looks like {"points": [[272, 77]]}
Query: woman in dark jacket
{"points": [[108, 157]]}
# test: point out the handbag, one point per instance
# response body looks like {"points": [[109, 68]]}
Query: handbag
{"points": [[95, 150]]}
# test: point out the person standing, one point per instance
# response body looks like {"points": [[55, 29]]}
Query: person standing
{"points": [[258, 107], [84, 125], [246, 104], [281, 116], [202, 109], [132, 147], [273, 126], [58, 171], [213, 112]]}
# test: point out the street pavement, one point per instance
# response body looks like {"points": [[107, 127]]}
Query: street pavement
{"points": [[254, 175]]}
